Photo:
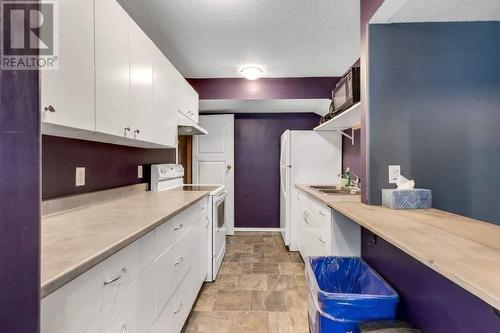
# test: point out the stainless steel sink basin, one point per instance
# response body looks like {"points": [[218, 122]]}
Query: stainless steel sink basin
{"points": [[334, 190], [324, 187]]}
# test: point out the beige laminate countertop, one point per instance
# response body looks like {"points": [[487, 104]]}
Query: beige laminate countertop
{"points": [[73, 242], [464, 250]]}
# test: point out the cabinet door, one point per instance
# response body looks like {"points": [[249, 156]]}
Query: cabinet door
{"points": [[182, 95], [193, 109], [164, 111], [132, 311], [141, 50], [70, 89], [112, 69]]}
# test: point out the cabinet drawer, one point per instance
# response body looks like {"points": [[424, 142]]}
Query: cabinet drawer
{"points": [[81, 299], [175, 228], [132, 311], [167, 276], [175, 313]]}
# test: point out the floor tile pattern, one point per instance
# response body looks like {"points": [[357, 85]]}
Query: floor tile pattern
{"points": [[261, 288]]}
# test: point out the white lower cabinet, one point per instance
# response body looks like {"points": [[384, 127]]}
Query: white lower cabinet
{"points": [[149, 285], [132, 311], [325, 232], [70, 307]]}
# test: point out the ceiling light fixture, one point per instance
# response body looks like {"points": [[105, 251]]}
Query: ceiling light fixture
{"points": [[252, 72]]}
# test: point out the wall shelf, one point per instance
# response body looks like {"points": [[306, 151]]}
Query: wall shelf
{"points": [[349, 119]]}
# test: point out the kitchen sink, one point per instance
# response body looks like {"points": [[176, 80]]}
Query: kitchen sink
{"points": [[335, 190]]}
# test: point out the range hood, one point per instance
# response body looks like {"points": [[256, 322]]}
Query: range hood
{"points": [[186, 126]]}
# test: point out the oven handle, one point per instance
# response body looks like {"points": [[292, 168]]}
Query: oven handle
{"points": [[220, 197]]}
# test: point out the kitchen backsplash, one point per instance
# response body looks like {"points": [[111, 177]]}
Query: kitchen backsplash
{"points": [[106, 165]]}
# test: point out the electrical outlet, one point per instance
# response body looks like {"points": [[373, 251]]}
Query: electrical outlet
{"points": [[80, 176], [394, 172], [139, 171]]}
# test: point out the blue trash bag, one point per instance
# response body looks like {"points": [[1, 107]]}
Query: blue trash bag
{"points": [[344, 291]]}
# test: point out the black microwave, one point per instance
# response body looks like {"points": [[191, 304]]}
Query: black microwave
{"points": [[347, 91]]}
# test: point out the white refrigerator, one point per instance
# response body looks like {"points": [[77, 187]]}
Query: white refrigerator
{"points": [[307, 157]]}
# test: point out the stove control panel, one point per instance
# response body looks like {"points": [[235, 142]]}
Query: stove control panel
{"points": [[167, 171]]}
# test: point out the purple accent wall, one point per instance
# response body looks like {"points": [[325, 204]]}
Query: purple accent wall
{"points": [[19, 202], [257, 153], [266, 88], [429, 301], [351, 154], [106, 165]]}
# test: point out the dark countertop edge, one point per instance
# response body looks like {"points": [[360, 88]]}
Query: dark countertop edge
{"points": [[59, 281]]}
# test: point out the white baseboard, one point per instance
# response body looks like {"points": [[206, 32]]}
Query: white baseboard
{"points": [[259, 229]]}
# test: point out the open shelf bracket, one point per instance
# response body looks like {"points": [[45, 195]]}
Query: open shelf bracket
{"points": [[350, 137]]}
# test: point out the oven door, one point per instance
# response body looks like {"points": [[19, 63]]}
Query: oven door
{"points": [[219, 231]]}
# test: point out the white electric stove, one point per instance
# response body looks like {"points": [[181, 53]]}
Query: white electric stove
{"points": [[166, 177]]}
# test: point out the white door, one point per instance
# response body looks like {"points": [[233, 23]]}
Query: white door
{"points": [[285, 187], [213, 158]]}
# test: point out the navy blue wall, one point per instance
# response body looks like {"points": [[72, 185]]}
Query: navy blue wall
{"points": [[257, 174], [434, 108]]}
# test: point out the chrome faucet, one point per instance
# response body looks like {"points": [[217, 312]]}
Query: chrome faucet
{"points": [[352, 179]]}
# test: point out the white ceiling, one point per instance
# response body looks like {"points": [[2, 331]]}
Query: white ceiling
{"points": [[319, 106], [288, 38], [403, 11]]}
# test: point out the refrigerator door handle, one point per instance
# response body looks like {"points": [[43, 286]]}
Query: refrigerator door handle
{"points": [[282, 167]]}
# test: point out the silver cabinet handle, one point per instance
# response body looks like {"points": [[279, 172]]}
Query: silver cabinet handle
{"points": [[124, 327], [298, 196], [322, 213], [126, 129], [229, 166], [208, 221], [322, 240], [122, 274], [305, 217], [50, 108], [137, 131], [179, 227], [179, 308], [180, 260]]}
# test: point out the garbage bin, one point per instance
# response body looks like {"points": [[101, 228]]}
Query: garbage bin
{"points": [[345, 291]]}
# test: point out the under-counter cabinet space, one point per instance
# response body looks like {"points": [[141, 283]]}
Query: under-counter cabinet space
{"points": [[323, 231], [67, 94], [157, 276]]}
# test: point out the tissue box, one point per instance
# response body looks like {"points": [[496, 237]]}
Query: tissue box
{"points": [[416, 198]]}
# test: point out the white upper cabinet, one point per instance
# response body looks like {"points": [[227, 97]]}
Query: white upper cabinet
{"points": [[164, 74], [112, 82], [69, 91], [188, 100], [141, 115]]}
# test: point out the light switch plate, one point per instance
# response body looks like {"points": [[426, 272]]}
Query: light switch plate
{"points": [[139, 171], [80, 176], [394, 172]]}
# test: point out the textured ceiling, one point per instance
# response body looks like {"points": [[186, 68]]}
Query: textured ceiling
{"points": [[402, 11], [288, 38]]}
